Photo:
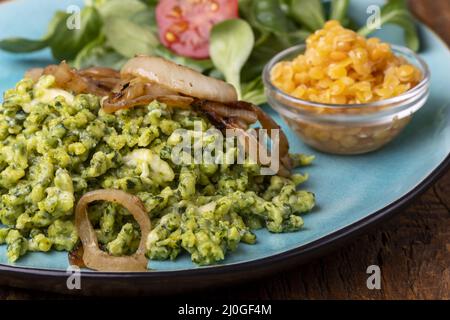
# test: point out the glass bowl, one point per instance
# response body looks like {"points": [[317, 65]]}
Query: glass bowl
{"points": [[351, 128]]}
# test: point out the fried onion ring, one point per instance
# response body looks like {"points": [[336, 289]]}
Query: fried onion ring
{"points": [[96, 259]]}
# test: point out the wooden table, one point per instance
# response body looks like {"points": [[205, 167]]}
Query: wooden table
{"points": [[412, 249]]}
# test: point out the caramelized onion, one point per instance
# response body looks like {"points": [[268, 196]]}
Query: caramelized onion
{"points": [[76, 257], [179, 79], [99, 72], [66, 78], [93, 257], [100, 77], [173, 101], [238, 115], [229, 112], [98, 81], [269, 124], [34, 74], [137, 93]]}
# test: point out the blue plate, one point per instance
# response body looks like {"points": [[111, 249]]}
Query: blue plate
{"points": [[352, 192]]}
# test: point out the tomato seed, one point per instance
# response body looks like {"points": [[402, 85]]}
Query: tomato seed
{"points": [[170, 37], [214, 6]]}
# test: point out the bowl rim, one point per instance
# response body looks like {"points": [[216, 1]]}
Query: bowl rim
{"points": [[394, 100]]}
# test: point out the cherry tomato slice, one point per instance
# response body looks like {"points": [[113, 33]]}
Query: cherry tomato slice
{"points": [[185, 25]]}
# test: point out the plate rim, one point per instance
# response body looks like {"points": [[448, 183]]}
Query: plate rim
{"points": [[265, 265]]}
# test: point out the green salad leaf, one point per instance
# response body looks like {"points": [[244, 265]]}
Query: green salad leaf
{"points": [[151, 3], [339, 10], [98, 54], [231, 44], [122, 9], [21, 45], [396, 12], [260, 56], [146, 18], [66, 43], [268, 16], [254, 92], [128, 38], [18, 45], [309, 13]]}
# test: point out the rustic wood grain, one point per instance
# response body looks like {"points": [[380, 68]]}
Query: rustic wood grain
{"points": [[412, 249], [436, 14]]}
